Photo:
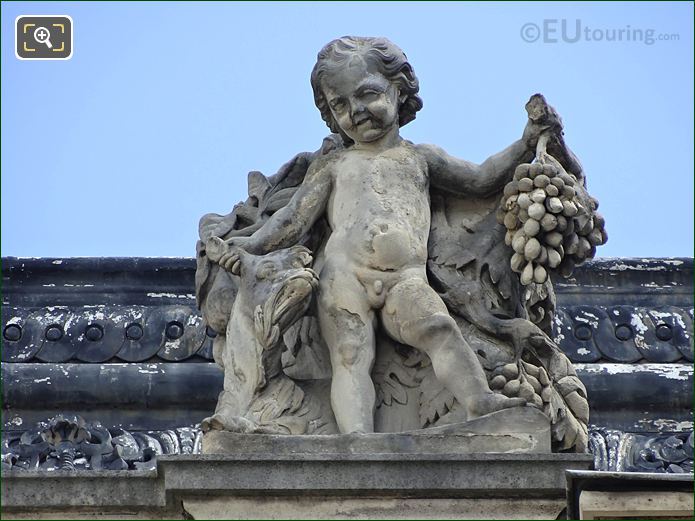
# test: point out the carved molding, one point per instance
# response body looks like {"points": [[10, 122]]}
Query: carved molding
{"points": [[619, 451], [70, 443], [96, 334], [626, 334], [175, 333]]}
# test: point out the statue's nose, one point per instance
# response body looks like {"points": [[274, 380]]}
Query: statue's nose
{"points": [[357, 109]]}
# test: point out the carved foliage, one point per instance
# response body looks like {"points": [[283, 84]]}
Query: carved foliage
{"points": [[505, 318]]}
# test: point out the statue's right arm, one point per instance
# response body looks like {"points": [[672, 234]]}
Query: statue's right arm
{"points": [[286, 226]]}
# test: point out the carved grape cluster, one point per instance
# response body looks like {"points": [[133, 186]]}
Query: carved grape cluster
{"points": [[551, 222], [524, 380]]}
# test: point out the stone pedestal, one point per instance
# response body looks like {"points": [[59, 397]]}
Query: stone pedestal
{"points": [[495, 467], [457, 471], [376, 486], [301, 486], [517, 430], [373, 508]]}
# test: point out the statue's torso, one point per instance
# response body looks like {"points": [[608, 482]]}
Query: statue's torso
{"points": [[379, 209]]}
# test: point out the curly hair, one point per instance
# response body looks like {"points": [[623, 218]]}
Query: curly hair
{"points": [[390, 60]]}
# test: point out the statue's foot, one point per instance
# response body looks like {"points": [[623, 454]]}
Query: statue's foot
{"points": [[485, 403]]}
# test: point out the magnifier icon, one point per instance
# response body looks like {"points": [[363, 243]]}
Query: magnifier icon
{"points": [[43, 35]]}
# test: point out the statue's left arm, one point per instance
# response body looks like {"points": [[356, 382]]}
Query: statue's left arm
{"points": [[463, 177], [459, 176]]}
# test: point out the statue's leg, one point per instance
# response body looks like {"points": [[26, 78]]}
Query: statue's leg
{"points": [[415, 315], [347, 326]]}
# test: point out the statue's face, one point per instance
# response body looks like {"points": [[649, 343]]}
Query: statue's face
{"points": [[363, 102]]}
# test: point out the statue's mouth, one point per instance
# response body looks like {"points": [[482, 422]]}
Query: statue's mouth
{"points": [[285, 305], [362, 119]]}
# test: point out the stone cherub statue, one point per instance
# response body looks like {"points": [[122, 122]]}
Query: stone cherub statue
{"points": [[418, 307]]}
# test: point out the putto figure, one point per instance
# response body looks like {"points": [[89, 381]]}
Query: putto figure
{"points": [[378, 193]]}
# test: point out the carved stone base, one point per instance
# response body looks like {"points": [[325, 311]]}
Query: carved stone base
{"points": [[517, 430], [375, 486], [498, 466], [372, 508], [321, 485]]}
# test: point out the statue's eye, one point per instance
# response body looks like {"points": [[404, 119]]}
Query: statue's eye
{"points": [[338, 105]]}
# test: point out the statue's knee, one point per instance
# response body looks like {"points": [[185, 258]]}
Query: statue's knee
{"points": [[433, 328], [350, 353]]}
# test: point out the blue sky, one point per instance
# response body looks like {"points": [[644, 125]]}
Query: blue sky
{"points": [[165, 107]]}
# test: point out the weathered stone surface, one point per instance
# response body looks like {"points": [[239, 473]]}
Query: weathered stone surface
{"points": [[515, 430], [638, 398], [414, 315], [653, 292], [620, 488], [614, 450], [98, 489], [364, 475], [371, 508], [390, 476], [595, 504], [97, 513]]}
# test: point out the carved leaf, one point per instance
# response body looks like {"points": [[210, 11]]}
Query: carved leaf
{"points": [[491, 296], [568, 407], [492, 253], [450, 254], [560, 366], [391, 380], [282, 396], [258, 186], [483, 243], [435, 399], [292, 173], [445, 244], [307, 357], [291, 336], [570, 384]]}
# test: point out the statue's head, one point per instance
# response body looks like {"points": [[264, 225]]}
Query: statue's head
{"points": [[279, 287], [363, 86]]}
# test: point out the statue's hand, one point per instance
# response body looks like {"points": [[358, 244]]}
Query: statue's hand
{"points": [[226, 253], [542, 118], [534, 130]]}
